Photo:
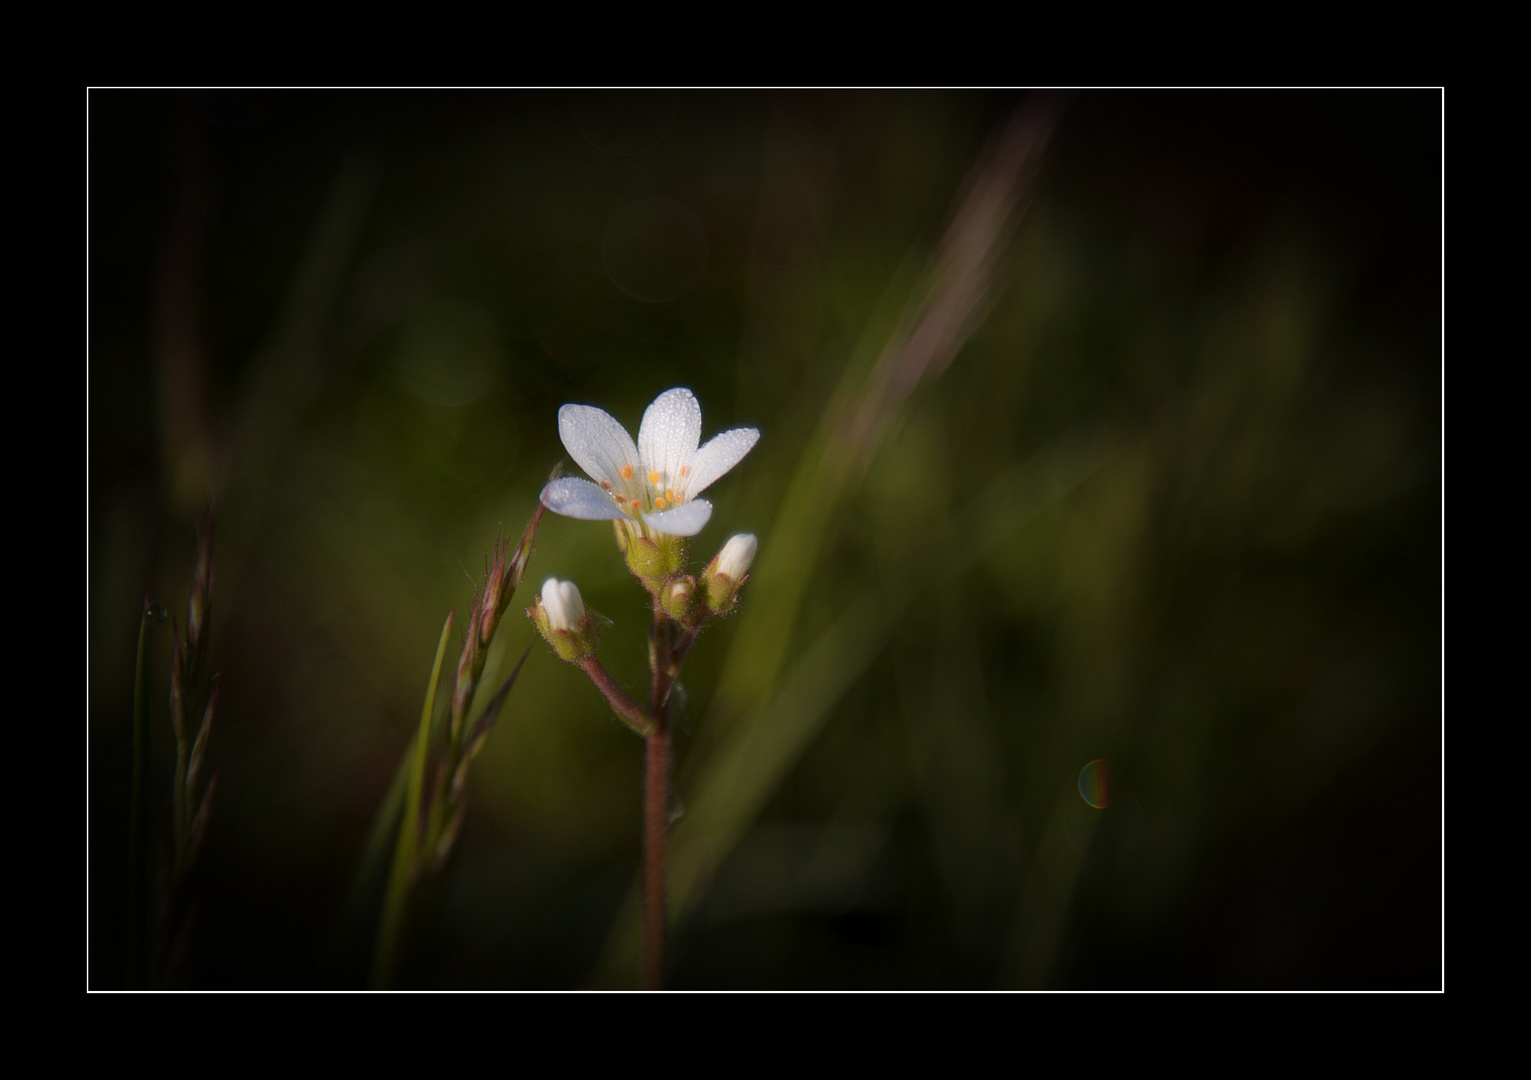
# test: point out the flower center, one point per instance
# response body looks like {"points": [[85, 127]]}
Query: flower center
{"points": [[636, 498]]}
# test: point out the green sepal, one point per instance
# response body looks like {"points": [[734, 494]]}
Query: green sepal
{"points": [[721, 591], [655, 559]]}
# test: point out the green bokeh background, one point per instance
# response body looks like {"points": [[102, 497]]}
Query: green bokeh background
{"points": [[1174, 505]]}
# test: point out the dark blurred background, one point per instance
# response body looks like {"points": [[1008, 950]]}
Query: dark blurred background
{"points": [[1095, 635]]}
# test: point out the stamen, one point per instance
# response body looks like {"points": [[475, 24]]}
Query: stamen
{"points": [[669, 493], [684, 469], [654, 476], [635, 506], [606, 484], [659, 503], [627, 472]]}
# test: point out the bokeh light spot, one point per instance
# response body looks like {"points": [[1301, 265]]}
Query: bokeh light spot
{"points": [[449, 352], [654, 249]]}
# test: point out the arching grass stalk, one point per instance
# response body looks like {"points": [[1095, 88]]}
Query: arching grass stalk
{"points": [[153, 615], [433, 814], [160, 917]]}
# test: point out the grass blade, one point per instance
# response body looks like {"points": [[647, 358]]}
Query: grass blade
{"points": [[404, 852]]}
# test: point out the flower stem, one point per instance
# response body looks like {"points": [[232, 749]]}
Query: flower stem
{"points": [[656, 807], [621, 701]]}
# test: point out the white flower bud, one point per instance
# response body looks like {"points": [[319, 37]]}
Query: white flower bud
{"points": [[725, 574], [563, 603], [735, 558], [677, 598]]}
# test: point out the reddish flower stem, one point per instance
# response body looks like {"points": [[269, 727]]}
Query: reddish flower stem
{"points": [[621, 701], [656, 805]]}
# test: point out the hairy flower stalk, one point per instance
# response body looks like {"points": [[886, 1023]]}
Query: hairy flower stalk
{"points": [[648, 490]]}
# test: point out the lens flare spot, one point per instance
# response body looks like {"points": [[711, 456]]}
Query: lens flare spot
{"points": [[1095, 784]]}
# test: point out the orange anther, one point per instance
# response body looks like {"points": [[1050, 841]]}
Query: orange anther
{"points": [[627, 472]]}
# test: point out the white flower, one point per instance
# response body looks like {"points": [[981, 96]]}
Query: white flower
{"points": [[735, 558], [655, 482], [563, 603]]}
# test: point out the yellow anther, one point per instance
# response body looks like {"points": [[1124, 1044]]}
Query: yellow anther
{"points": [[669, 493], [684, 469], [654, 476], [627, 472], [659, 503]]}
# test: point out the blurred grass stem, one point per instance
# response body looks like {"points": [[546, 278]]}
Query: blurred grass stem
{"points": [[138, 814]]}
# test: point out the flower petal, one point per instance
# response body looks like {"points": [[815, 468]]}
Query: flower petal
{"points": [[562, 602], [686, 519], [667, 438], [596, 442], [721, 453], [576, 498]]}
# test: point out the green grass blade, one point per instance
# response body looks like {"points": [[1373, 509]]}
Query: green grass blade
{"points": [[404, 852], [372, 866]]}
